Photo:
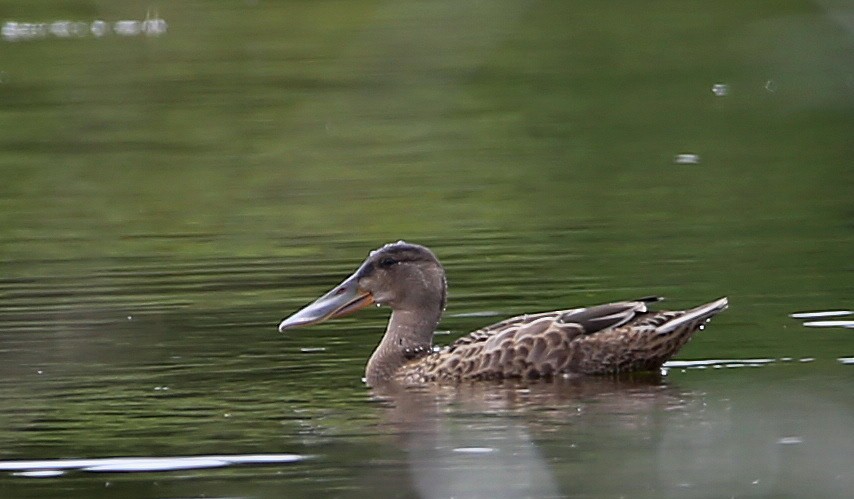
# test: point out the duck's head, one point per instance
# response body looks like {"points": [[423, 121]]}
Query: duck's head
{"points": [[404, 276]]}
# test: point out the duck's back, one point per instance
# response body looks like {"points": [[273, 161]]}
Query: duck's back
{"points": [[611, 338]]}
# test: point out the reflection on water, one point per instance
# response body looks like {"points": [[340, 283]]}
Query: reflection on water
{"points": [[751, 454], [486, 439]]}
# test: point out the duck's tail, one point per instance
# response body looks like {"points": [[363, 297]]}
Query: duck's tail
{"points": [[646, 343], [691, 320]]}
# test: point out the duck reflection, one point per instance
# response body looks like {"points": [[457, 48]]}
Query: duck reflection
{"points": [[493, 439]]}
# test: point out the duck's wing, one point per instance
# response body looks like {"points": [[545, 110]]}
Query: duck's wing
{"points": [[592, 320], [614, 337], [573, 322]]}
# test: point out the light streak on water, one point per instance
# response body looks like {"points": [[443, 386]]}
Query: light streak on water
{"points": [[55, 467]]}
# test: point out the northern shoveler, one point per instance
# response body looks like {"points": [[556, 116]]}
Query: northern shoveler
{"points": [[602, 339]]}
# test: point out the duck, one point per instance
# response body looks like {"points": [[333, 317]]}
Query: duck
{"points": [[606, 339]]}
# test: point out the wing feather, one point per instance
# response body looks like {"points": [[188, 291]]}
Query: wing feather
{"points": [[608, 338]]}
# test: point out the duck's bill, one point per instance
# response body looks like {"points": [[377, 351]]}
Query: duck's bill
{"points": [[343, 299]]}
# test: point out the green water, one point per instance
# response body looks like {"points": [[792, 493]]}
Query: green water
{"points": [[166, 200]]}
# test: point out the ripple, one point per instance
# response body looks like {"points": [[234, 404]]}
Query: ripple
{"points": [[474, 450], [717, 363], [821, 313], [482, 313], [54, 467], [39, 473], [845, 324], [312, 349], [824, 314]]}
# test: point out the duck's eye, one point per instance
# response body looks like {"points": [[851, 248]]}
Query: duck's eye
{"points": [[387, 262]]}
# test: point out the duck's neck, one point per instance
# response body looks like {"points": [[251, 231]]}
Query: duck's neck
{"points": [[409, 335]]}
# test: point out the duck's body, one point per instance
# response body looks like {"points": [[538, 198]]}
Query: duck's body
{"points": [[604, 339]]}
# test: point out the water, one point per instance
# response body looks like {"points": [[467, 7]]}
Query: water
{"points": [[167, 199]]}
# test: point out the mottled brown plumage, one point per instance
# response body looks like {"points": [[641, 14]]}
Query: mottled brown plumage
{"points": [[603, 339]]}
